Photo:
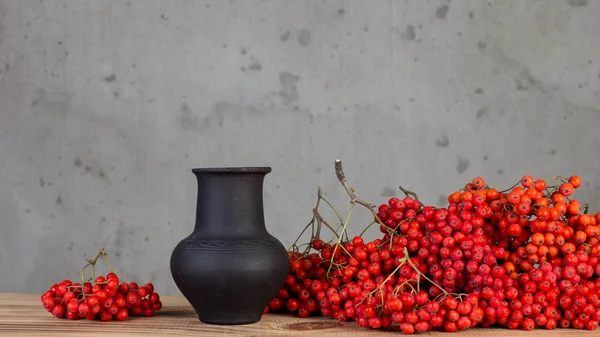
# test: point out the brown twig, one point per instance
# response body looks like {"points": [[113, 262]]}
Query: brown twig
{"points": [[510, 188], [339, 171], [409, 193], [322, 221]]}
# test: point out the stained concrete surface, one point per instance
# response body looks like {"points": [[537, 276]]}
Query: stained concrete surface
{"points": [[105, 106]]}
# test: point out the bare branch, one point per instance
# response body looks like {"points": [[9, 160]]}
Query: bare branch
{"points": [[322, 221], [339, 171]]}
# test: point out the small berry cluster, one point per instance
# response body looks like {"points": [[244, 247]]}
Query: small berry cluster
{"points": [[103, 298], [523, 258]]}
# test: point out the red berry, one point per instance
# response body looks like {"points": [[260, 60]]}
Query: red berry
{"points": [[463, 323], [49, 303], [145, 303], [133, 286], [154, 297], [102, 295], [124, 288], [136, 311], [105, 316], [73, 305], [93, 301], [157, 305], [407, 328], [59, 311], [120, 301], [132, 298], [143, 291], [72, 315], [276, 304], [292, 305], [113, 310], [112, 284], [421, 298], [68, 296], [122, 314], [150, 287], [83, 310]]}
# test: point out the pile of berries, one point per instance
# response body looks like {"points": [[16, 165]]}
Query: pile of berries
{"points": [[523, 258], [103, 297]]}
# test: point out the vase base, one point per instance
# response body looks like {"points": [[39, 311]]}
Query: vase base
{"points": [[240, 321]]}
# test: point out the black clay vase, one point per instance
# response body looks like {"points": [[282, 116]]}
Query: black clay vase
{"points": [[230, 267]]}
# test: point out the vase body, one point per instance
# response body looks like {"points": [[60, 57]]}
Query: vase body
{"points": [[230, 267]]}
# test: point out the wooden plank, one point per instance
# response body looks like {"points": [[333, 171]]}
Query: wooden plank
{"points": [[23, 315]]}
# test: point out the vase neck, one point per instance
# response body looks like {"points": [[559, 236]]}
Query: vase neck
{"points": [[230, 205]]}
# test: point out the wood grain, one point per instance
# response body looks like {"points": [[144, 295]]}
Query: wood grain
{"points": [[23, 315]]}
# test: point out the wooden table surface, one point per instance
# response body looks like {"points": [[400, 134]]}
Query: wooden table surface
{"points": [[23, 315]]}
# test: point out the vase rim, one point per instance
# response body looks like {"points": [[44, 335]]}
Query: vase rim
{"points": [[241, 169]]}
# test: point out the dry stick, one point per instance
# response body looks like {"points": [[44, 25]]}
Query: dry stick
{"points": [[311, 223], [333, 208], [401, 287], [312, 229], [330, 205], [91, 262], [352, 203], [321, 220], [301, 233], [339, 171], [366, 228], [105, 256], [314, 217], [510, 188], [408, 192], [387, 279], [419, 272]]}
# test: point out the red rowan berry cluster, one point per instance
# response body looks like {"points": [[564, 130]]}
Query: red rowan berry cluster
{"points": [[523, 258], [103, 297]]}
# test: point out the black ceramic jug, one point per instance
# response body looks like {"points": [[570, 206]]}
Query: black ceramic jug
{"points": [[230, 267]]}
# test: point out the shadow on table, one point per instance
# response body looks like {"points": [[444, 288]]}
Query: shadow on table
{"points": [[176, 312]]}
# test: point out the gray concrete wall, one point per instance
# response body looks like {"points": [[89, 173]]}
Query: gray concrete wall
{"points": [[105, 106]]}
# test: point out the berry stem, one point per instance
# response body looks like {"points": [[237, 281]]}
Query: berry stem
{"points": [[382, 283], [301, 233], [394, 271], [401, 287], [408, 192], [510, 188], [322, 221], [366, 228], [352, 203], [90, 262], [105, 256], [407, 257], [330, 205], [339, 171], [318, 220]]}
